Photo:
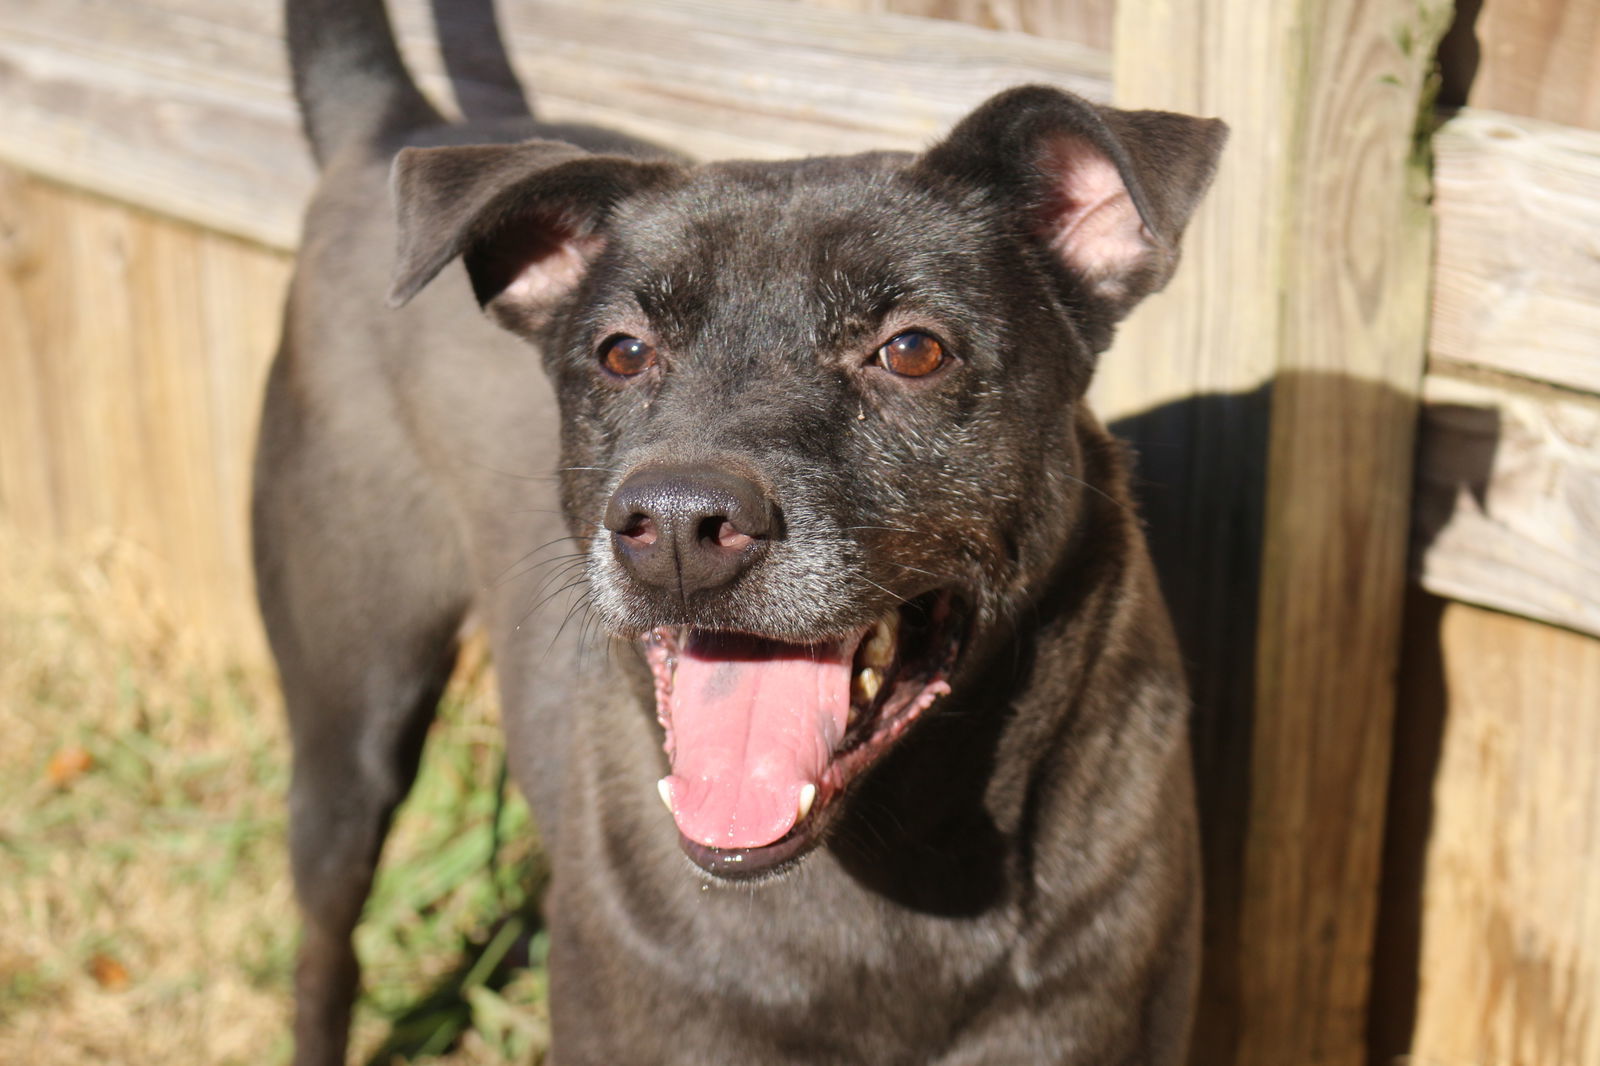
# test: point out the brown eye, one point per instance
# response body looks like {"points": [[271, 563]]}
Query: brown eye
{"points": [[911, 355], [627, 356]]}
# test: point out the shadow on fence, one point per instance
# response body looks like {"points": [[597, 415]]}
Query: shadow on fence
{"points": [[1201, 479]]}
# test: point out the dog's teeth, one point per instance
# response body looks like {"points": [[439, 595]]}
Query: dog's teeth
{"points": [[664, 790], [808, 796], [868, 682], [878, 649]]}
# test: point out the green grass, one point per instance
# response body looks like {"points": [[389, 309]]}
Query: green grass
{"points": [[145, 908]]}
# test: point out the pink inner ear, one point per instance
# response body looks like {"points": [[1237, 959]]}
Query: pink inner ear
{"points": [[554, 270], [1089, 219]]}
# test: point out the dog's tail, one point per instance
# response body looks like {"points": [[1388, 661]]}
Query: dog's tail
{"points": [[351, 83]]}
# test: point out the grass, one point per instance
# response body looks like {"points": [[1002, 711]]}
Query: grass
{"points": [[145, 908]]}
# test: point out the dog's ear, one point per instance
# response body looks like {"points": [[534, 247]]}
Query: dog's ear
{"points": [[1106, 192], [527, 219]]}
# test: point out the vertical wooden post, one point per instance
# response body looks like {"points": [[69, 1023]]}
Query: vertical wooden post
{"points": [[1271, 393]]}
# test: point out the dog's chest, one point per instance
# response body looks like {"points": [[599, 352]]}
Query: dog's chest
{"points": [[812, 969]]}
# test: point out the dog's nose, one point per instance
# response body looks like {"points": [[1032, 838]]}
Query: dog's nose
{"points": [[688, 528]]}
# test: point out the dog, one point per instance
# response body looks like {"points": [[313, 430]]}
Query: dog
{"points": [[831, 658]]}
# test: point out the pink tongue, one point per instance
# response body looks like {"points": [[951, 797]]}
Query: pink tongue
{"points": [[753, 723]]}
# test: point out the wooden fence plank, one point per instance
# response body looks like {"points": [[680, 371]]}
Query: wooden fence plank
{"points": [[765, 79], [1493, 952], [1307, 276], [182, 105], [1508, 497], [1087, 22], [185, 114], [130, 377], [1518, 276], [1539, 58]]}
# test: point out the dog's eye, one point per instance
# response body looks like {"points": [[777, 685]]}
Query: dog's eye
{"points": [[911, 355], [627, 356]]}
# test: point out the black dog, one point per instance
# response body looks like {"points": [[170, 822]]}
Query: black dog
{"points": [[865, 597]]}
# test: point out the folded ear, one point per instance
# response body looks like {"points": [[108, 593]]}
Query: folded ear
{"points": [[527, 219], [1106, 192]]}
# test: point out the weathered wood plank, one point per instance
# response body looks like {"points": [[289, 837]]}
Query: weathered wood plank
{"points": [[1518, 281], [1087, 22], [182, 105], [186, 114], [1508, 497], [1307, 276], [768, 79], [1539, 58], [1491, 952], [132, 351]]}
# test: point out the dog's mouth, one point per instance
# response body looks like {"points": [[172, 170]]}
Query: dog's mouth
{"points": [[763, 736]]}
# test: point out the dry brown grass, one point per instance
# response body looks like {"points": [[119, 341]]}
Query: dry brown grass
{"points": [[140, 837], [145, 909]]}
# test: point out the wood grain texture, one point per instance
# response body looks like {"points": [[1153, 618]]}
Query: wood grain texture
{"points": [[1087, 22], [182, 106], [1539, 58], [1306, 281], [1508, 497], [133, 354], [1502, 735], [1518, 279]]}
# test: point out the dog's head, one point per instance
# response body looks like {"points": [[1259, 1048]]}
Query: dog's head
{"points": [[817, 416]]}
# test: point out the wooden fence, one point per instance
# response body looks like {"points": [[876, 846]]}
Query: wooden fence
{"points": [[1368, 411]]}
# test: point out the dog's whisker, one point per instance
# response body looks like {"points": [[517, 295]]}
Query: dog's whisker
{"points": [[578, 582], [560, 562], [513, 475], [580, 605], [879, 811], [1122, 505], [542, 601], [596, 635], [915, 569], [892, 595], [562, 571], [579, 608], [525, 556], [575, 608], [922, 534], [536, 549]]}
